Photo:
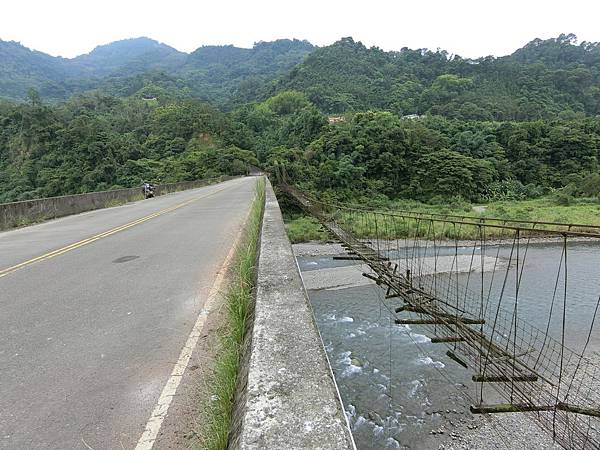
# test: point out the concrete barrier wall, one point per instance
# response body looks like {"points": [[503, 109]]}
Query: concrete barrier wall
{"points": [[289, 398], [31, 211]]}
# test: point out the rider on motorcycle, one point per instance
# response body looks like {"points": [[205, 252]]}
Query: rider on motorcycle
{"points": [[148, 190]]}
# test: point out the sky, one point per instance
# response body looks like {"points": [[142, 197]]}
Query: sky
{"points": [[469, 28]]}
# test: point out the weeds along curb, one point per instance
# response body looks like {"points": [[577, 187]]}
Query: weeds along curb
{"points": [[227, 375]]}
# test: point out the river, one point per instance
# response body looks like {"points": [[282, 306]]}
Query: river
{"points": [[400, 390]]}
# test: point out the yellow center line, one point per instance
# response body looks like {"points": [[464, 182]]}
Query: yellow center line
{"points": [[99, 236]]}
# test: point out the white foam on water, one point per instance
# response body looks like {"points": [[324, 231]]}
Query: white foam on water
{"points": [[344, 358], [420, 338], [392, 425], [360, 421], [427, 361], [312, 263], [371, 325], [392, 443], [416, 385], [351, 411], [377, 430], [351, 370]]}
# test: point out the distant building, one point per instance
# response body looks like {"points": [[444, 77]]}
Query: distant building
{"points": [[336, 119], [412, 116]]}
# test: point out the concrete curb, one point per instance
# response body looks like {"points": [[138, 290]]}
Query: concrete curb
{"points": [[291, 400]]}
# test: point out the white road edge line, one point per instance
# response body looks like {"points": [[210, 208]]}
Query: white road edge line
{"points": [[146, 441]]}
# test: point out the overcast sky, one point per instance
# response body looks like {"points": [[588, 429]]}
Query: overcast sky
{"points": [[470, 28]]}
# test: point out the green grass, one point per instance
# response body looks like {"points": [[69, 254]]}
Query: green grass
{"points": [[303, 229], [546, 209], [582, 211], [214, 434]]}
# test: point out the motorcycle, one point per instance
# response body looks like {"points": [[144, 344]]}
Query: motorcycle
{"points": [[148, 190]]}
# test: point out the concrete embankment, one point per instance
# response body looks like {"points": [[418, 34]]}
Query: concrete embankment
{"points": [[289, 398], [29, 211]]}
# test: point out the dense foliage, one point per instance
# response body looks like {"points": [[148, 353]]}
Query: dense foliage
{"points": [[100, 142], [432, 158], [541, 80], [222, 75], [494, 128]]}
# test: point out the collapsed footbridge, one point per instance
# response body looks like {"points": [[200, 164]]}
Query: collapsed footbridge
{"points": [[462, 278]]}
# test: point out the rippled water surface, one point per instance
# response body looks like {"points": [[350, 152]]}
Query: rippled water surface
{"points": [[398, 388]]}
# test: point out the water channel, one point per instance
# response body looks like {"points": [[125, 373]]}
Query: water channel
{"points": [[400, 390]]}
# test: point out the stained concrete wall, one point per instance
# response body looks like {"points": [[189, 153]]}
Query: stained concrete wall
{"points": [[30, 211], [289, 399]]}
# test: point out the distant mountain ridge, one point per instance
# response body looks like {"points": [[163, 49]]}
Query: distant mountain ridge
{"points": [[127, 57], [209, 72], [543, 79]]}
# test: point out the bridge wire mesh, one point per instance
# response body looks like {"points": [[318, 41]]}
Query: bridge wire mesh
{"points": [[532, 370]]}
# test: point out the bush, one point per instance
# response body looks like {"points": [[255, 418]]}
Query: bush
{"points": [[458, 202], [564, 199], [572, 190], [590, 185], [534, 191], [513, 190]]}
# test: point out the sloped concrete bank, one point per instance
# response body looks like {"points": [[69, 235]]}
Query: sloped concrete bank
{"points": [[288, 397], [29, 211]]}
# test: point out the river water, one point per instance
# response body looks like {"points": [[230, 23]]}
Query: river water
{"points": [[400, 390]]}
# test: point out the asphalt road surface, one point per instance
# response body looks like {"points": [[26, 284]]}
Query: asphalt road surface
{"points": [[95, 309]]}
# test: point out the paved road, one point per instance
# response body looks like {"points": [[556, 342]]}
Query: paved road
{"points": [[89, 336]]}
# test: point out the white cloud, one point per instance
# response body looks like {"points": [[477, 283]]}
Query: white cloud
{"points": [[467, 27]]}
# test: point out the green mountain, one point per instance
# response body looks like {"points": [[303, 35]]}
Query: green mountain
{"points": [[22, 69], [125, 58], [227, 75], [543, 79], [221, 74], [511, 127]]}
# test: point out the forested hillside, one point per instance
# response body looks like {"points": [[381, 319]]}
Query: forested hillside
{"points": [[100, 142], [515, 127], [223, 75], [544, 79], [380, 154], [229, 76], [541, 80]]}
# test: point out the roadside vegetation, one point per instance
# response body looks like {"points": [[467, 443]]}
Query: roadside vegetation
{"points": [[215, 425]]}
